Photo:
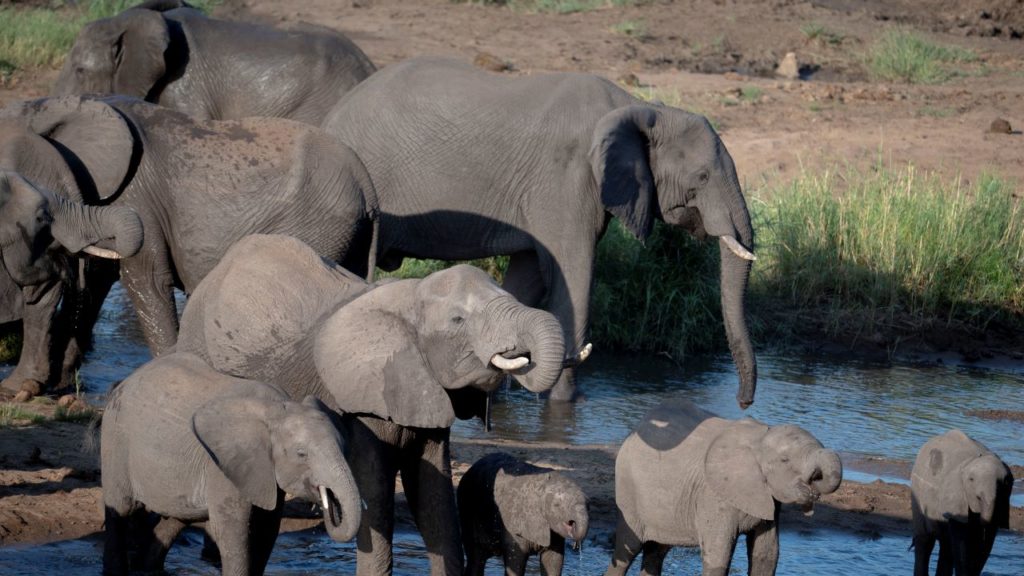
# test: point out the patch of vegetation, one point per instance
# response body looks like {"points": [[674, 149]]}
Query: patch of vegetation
{"points": [[14, 415], [815, 32], [933, 112], [631, 28], [669, 97], [751, 93], [415, 268], [74, 413], [10, 346], [904, 56]]}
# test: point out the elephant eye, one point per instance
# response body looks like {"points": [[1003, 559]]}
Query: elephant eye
{"points": [[458, 320], [703, 178], [300, 453]]}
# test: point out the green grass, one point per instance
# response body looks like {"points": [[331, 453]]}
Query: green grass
{"points": [[751, 93], [66, 414], [631, 28], [905, 56], [815, 32], [13, 414], [934, 112], [10, 346], [32, 38], [669, 97]]}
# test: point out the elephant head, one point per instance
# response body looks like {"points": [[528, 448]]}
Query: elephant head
{"points": [[660, 162], [262, 444], [752, 466], [397, 350], [543, 502], [33, 221], [987, 483]]}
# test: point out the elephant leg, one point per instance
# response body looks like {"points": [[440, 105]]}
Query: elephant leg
{"points": [[35, 368], [115, 546], [373, 463], [944, 567], [476, 561], [264, 526], [514, 557], [763, 549], [654, 558], [97, 277], [164, 534], [717, 545], [427, 478], [150, 285], [960, 535], [923, 546], [984, 547], [553, 558], [229, 527], [627, 546], [524, 280]]}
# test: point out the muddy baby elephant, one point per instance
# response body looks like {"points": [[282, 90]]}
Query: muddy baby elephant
{"points": [[512, 509], [960, 497], [181, 440], [685, 477]]}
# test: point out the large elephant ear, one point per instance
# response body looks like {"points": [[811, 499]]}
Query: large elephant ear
{"points": [[12, 303], [368, 358], [619, 157], [138, 51], [235, 433], [732, 470], [529, 521], [94, 139]]}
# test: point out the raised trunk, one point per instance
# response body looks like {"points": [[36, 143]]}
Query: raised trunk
{"points": [[539, 335], [77, 226]]}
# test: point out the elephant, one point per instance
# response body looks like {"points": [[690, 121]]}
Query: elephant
{"points": [[170, 54], [190, 444], [400, 358], [470, 164], [197, 186], [685, 477], [513, 509], [960, 497]]}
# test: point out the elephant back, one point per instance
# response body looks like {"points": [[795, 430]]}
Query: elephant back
{"points": [[251, 314]]}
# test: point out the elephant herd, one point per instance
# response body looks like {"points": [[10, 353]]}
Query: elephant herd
{"points": [[268, 174]]}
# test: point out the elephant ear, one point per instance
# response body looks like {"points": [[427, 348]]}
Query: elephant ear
{"points": [[234, 431], [526, 522], [368, 358], [138, 44], [732, 470], [94, 139], [12, 303], [619, 157]]}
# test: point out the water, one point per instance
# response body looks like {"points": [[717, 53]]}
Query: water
{"points": [[863, 410]]}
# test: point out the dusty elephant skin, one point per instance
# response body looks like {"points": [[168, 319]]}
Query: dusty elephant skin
{"points": [[198, 186], [183, 441], [402, 359], [511, 509], [685, 477], [173, 55], [959, 497], [469, 164]]}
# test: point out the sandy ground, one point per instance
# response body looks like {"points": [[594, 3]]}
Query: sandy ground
{"points": [[700, 55]]}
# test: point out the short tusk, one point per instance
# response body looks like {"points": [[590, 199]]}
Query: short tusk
{"points": [[102, 253], [580, 356], [503, 363], [738, 248], [323, 498]]}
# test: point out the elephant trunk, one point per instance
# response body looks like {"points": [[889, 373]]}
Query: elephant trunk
{"points": [[79, 227], [339, 500], [580, 525], [735, 275], [823, 471], [534, 333]]}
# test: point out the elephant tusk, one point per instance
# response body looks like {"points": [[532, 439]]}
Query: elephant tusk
{"points": [[323, 498], [506, 364], [102, 253], [580, 356], [738, 248]]}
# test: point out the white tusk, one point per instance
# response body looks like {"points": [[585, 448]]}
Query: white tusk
{"points": [[503, 363], [738, 248], [584, 353], [102, 253], [364, 504], [323, 498]]}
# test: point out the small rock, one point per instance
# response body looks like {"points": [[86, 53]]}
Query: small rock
{"points": [[23, 396], [66, 400], [1000, 126], [629, 79], [789, 68], [78, 406], [489, 61]]}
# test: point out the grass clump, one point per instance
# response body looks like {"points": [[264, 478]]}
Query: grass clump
{"points": [[74, 413], [416, 268], [631, 28], [904, 56], [751, 93], [10, 345], [815, 32], [14, 415], [890, 245]]}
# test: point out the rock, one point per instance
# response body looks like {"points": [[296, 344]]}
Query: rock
{"points": [[489, 61], [1000, 126], [629, 79], [66, 400], [789, 68]]}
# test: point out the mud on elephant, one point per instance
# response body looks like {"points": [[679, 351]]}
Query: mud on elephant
{"points": [[402, 359]]}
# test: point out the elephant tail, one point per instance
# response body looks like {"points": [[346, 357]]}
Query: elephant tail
{"points": [[371, 259]]}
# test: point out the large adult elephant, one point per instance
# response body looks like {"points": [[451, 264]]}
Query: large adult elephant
{"points": [[171, 54], [402, 359], [198, 186], [469, 164]]}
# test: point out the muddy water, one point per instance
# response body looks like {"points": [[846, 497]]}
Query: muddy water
{"points": [[866, 411]]}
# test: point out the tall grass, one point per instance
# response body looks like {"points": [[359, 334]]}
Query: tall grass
{"points": [[900, 55], [12, 414]]}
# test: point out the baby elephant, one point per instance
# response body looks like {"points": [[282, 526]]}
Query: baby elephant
{"points": [[960, 496], [512, 509], [687, 478], [190, 444]]}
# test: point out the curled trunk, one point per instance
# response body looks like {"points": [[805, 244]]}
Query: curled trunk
{"points": [[824, 471], [77, 226], [342, 487]]}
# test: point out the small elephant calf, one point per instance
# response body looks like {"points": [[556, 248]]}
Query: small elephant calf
{"points": [[512, 509], [190, 444], [685, 477], [960, 497]]}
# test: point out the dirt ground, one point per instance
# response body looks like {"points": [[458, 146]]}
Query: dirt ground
{"points": [[716, 57]]}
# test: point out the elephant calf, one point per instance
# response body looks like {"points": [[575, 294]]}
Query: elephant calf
{"points": [[960, 496], [190, 444], [512, 509], [685, 477]]}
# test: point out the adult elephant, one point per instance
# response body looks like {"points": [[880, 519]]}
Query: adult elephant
{"points": [[469, 164], [401, 359], [171, 54], [198, 186]]}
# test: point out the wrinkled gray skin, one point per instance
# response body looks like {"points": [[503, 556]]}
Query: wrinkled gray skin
{"points": [[184, 441], [960, 497], [213, 69], [39, 232], [198, 186], [469, 164], [687, 478], [402, 359], [512, 509]]}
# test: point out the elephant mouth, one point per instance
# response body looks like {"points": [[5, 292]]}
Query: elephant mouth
{"points": [[570, 533], [331, 506]]}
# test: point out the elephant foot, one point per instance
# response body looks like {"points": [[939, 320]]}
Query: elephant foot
{"points": [[19, 385]]}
